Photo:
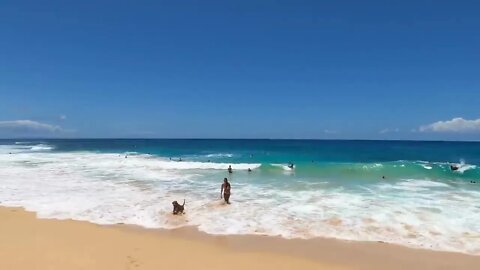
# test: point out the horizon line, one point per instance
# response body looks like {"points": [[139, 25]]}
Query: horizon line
{"points": [[271, 139]]}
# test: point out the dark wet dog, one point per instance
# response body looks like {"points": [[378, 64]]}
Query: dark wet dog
{"points": [[178, 208]]}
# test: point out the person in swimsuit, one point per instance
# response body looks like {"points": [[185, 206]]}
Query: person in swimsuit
{"points": [[230, 169], [225, 190]]}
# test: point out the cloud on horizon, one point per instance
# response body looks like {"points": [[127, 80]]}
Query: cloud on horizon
{"points": [[389, 130], [458, 125], [28, 127], [329, 131]]}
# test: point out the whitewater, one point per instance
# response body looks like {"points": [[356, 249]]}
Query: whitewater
{"points": [[420, 204]]}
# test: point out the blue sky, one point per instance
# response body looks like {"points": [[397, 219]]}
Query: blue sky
{"points": [[240, 69]]}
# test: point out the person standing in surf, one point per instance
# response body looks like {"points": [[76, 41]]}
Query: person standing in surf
{"points": [[225, 190]]}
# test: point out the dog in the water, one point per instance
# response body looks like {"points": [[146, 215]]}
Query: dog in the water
{"points": [[178, 208]]}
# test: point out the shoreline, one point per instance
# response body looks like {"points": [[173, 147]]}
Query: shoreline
{"points": [[26, 240]]}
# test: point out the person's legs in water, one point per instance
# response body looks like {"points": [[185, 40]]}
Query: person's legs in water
{"points": [[226, 196]]}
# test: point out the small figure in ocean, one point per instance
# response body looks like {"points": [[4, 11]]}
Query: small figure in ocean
{"points": [[249, 170], [291, 165], [126, 155], [230, 169], [170, 158], [180, 159], [454, 167], [383, 176], [225, 190]]}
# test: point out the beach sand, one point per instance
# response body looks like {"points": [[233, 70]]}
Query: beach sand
{"points": [[30, 243]]}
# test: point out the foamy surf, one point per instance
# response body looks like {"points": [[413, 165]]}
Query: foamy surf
{"points": [[107, 188], [465, 167], [284, 167]]}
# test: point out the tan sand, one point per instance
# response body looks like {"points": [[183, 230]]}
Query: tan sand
{"points": [[34, 244]]}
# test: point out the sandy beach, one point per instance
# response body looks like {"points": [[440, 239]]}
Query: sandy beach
{"points": [[30, 243]]}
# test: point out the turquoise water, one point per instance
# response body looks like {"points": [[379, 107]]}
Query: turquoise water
{"points": [[338, 159], [393, 191]]}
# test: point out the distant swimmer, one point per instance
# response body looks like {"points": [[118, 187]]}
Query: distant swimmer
{"points": [[126, 156], [454, 167], [473, 182], [383, 176], [180, 159], [249, 170], [170, 158], [291, 165], [230, 169], [225, 190]]}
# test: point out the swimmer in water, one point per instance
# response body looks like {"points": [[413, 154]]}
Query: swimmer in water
{"points": [[291, 165], [249, 170], [230, 169], [225, 190]]}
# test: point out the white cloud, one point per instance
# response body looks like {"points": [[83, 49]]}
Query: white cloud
{"points": [[455, 125], [388, 130], [28, 126], [62, 117]]}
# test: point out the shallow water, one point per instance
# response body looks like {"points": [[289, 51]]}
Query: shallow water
{"points": [[336, 189]]}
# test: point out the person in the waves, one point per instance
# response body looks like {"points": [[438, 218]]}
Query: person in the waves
{"points": [[225, 191]]}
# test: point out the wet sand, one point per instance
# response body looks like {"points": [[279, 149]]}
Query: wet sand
{"points": [[30, 243]]}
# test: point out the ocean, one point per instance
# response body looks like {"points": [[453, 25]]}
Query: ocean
{"points": [[400, 192]]}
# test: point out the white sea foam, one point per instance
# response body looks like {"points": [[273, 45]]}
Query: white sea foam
{"points": [[41, 147], [465, 167], [426, 166], [283, 166], [192, 165], [220, 155], [109, 189], [24, 147], [372, 166]]}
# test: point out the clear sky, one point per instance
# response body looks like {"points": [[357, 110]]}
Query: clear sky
{"points": [[240, 69]]}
